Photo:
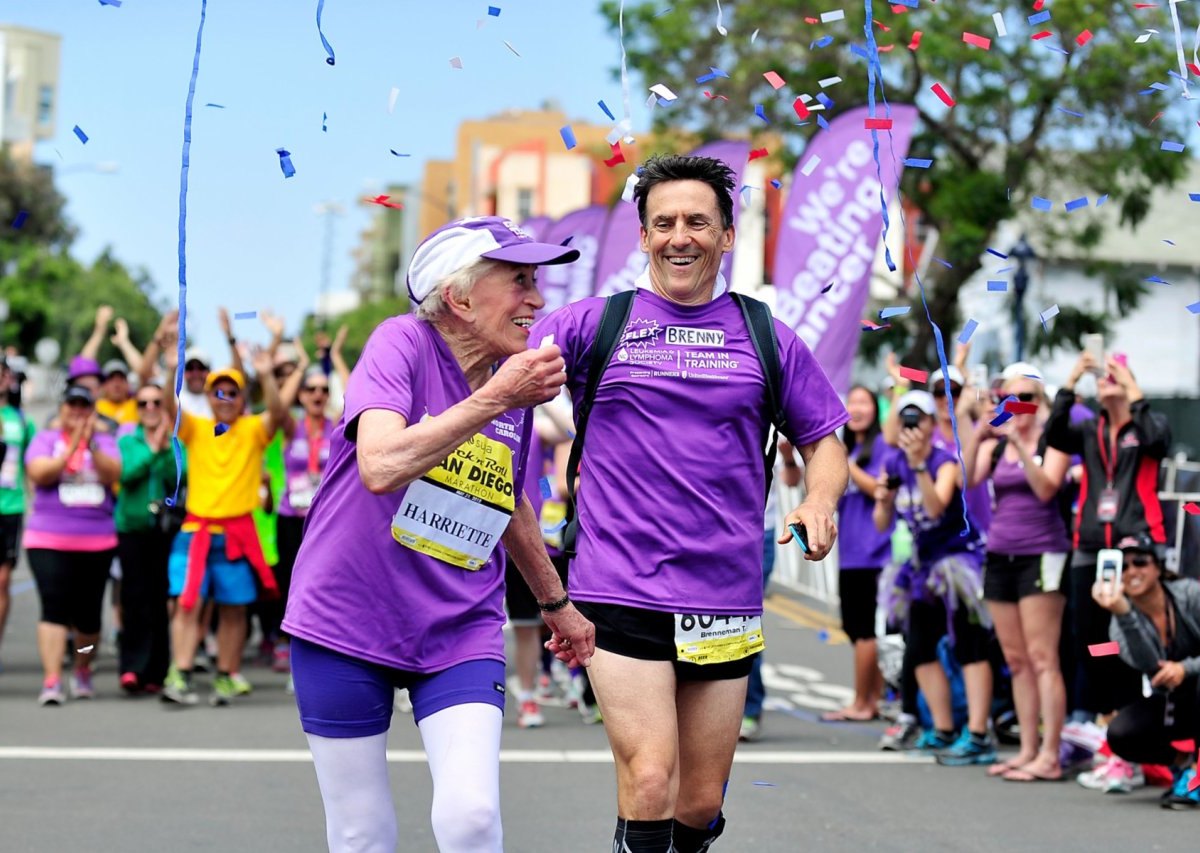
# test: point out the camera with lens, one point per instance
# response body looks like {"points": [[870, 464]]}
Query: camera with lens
{"points": [[910, 418]]}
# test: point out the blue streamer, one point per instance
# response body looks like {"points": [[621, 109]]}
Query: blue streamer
{"points": [[181, 344], [324, 41]]}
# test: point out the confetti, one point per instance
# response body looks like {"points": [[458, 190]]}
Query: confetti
{"points": [[917, 163], [86, 649], [997, 253], [829, 81], [456, 62], [396, 153], [713, 97], [758, 152], [83, 137], [393, 94], [1076, 203], [720, 28], [220, 429], [114, 3], [823, 41], [1195, 309], [1070, 112], [801, 109], [823, 635], [1102, 650], [1039, 203], [630, 184], [1167, 145], [561, 524], [776, 184], [828, 287], [916, 41], [20, 218], [944, 96], [998, 20], [606, 110], [713, 74], [868, 326], [1194, 196], [1016, 407], [1101, 200], [977, 41], [1039, 18], [968, 330], [1153, 279], [1044, 34], [810, 165], [544, 482], [494, 11], [285, 162], [216, 106], [1192, 508], [761, 113], [877, 123], [775, 80], [1001, 419], [663, 92], [382, 200], [836, 15], [766, 784], [1145, 37], [1049, 314], [245, 315], [825, 100], [995, 286], [914, 375], [822, 123], [513, 49], [894, 311], [946, 263], [617, 157], [324, 41], [568, 136], [1083, 38]]}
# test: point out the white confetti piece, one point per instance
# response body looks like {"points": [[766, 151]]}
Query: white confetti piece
{"points": [[455, 62], [835, 15], [829, 81], [630, 183], [513, 49], [753, 36], [392, 96], [811, 165], [547, 341], [85, 650], [720, 28], [998, 19], [663, 92]]}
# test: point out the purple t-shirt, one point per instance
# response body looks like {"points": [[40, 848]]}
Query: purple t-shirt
{"points": [[1022, 524], [300, 484], [413, 579], [860, 545], [979, 498], [671, 486], [933, 538], [78, 504]]}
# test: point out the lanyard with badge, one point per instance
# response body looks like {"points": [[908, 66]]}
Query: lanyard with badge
{"points": [[78, 486], [458, 511], [303, 487], [1106, 506]]}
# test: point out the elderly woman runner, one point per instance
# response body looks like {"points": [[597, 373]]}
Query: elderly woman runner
{"points": [[400, 579]]}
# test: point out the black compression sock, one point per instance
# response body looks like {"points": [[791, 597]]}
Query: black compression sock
{"points": [[642, 836], [688, 839]]}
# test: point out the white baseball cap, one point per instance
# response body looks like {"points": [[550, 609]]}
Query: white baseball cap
{"points": [[956, 377], [921, 400], [459, 243], [1020, 369]]}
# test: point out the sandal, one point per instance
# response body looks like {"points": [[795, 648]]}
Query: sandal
{"points": [[1020, 774], [843, 716]]}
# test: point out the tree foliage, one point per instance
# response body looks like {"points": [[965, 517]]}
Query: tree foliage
{"points": [[1008, 138], [360, 322]]}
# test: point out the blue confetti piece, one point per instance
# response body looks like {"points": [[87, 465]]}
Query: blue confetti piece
{"points": [[1159, 87], [113, 3], [220, 429], [859, 50], [494, 11], [1176, 75], [761, 113], [1001, 419], [1047, 315], [607, 111], [894, 311], [825, 100], [20, 218], [777, 184], [823, 41], [1194, 196], [822, 123], [324, 119], [663, 102], [968, 330], [324, 41], [1011, 398], [1040, 203], [83, 137], [1194, 308], [705, 78], [1101, 200], [766, 784], [828, 287], [713, 74], [1153, 279], [995, 286], [1054, 48], [285, 162], [215, 106], [917, 163], [245, 315], [946, 263], [568, 136], [1003, 270], [544, 486], [1076, 203], [1070, 112], [397, 153], [1167, 145], [1168, 242], [912, 4], [1039, 18], [718, 72], [997, 253]]}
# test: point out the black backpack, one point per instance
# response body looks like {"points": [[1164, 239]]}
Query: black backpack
{"points": [[608, 337]]}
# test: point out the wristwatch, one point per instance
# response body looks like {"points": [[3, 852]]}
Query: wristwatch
{"points": [[922, 468]]}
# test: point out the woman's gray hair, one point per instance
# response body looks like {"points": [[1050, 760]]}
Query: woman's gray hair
{"points": [[459, 283]]}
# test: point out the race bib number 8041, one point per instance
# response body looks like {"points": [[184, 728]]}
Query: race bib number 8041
{"points": [[706, 638]]}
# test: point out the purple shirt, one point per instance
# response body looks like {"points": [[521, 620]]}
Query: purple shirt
{"points": [[301, 484], [367, 582], [78, 504], [979, 499], [933, 538], [671, 486], [860, 545], [1022, 524]]}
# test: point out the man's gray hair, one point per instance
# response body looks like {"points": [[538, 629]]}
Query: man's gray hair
{"points": [[459, 283]]}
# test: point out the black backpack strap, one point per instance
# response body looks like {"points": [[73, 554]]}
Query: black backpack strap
{"points": [[608, 336], [762, 334], [998, 452]]}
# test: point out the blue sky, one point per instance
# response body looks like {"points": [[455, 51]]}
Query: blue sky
{"points": [[254, 240]]}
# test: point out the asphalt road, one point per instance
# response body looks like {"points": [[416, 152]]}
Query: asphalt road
{"points": [[132, 775]]}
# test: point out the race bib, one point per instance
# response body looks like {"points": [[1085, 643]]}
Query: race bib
{"points": [[81, 494], [301, 489], [703, 639], [457, 512]]}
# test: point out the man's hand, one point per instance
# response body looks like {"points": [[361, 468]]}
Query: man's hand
{"points": [[156, 438], [573, 638], [260, 360], [339, 339], [120, 336], [104, 315], [1111, 596], [168, 337], [223, 321], [274, 324], [1170, 675], [819, 529]]}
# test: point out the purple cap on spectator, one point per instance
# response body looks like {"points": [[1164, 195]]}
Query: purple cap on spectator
{"points": [[81, 366], [459, 243]]}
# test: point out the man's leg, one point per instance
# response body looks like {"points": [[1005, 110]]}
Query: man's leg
{"points": [[5, 597], [709, 718], [231, 637]]}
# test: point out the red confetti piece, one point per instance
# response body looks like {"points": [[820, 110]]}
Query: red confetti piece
{"points": [[868, 326], [886, 48], [1038, 4], [713, 97], [1192, 508], [1016, 407], [812, 20], [1043, 34], [882, 25], [1083, 38], [978, 41], [877, 123], [617, 157], [899, 10], [916, 41], [914, 375], [1156, 117], [382, 200], [944, 96], [758, 152], [1103, 650], [801, 109], [1194, 68], [1184, 745], [775, 80], [1145, 5]]}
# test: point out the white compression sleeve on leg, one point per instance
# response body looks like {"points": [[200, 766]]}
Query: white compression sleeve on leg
{"points": [[353, 775], [463, 746]]}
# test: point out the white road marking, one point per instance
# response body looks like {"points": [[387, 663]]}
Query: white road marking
{"points": [[416, 756]]}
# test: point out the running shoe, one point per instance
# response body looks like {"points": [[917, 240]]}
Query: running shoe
{"points": [[81, 684], [931, 740], [52, 694], [177, 688], [967, 750], [282, 661], [129, 682], [590, 714], [900, 737], [241, 687], [1113, 776], [1184, 795], [224, 690], [751, 729], [1072, 757], [531, 716], [290, 687], [1087, 735]]}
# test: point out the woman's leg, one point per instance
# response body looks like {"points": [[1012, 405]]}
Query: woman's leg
{"points": [[53, 594], [1007, 620], [353, 776], [463, 745], [1041, 623], [90, 578]]}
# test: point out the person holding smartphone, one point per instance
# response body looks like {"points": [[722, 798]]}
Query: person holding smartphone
{"points": [[1121, 450], [938, 592], [1156, 623]]}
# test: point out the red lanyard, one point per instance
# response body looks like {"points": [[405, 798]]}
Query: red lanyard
{"points": [[77, 459], [315, 428], [1110, 463]]}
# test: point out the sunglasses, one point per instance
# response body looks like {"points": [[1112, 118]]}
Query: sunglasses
{"points": [[146, 404], [78, 404], [940, 391], [1027, 397], [1141, 561], [283, 372], [222, 394], [195, 368], [315, 389]]}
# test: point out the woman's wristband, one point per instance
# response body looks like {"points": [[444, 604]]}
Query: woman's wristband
{"points": [[554, 606]]}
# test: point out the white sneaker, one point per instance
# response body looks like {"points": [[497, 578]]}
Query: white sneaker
{"points": [[751, 730], [1087, 735], [531, 716], [1113, 776]]}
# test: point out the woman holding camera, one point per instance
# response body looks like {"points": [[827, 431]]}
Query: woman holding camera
{"points": [[1156, 623], [1027, 552], [939, 586]]}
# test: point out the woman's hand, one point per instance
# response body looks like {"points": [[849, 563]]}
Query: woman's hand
{"points": [[882, 492], [1111, 596], [1170, 674], [529, 378], [1086, 362], [916, 448]]}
